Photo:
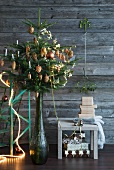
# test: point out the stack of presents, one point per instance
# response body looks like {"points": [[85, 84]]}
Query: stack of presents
{"points": [[75, 144]]}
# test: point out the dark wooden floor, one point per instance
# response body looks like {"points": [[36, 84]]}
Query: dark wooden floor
{"points": [[105, 161]]}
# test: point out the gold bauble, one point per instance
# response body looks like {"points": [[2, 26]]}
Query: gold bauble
{"points": [[13, 65]]}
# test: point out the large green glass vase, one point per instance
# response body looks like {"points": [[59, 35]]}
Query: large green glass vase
{"points": [[38, 144]]}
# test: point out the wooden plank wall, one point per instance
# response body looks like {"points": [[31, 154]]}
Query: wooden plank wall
{"points": [[100, 54]]}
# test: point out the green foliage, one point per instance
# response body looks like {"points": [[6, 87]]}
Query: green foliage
{"points": [[86, 86], [85, 24]]}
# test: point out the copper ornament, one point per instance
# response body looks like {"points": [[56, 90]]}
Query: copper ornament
{"points": [[29, 75], [34, 56], [7, 82], [31, 30], [40, 76], [50, 55], [2, 62], [70, 53], [38, 68], [27, 49], [13, 65], [35, 40], [46, 78]]}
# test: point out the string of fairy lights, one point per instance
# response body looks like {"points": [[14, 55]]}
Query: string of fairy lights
{"points": [[4, 157]]}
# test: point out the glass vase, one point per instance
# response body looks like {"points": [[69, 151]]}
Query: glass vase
{"points": [[38, 144]]}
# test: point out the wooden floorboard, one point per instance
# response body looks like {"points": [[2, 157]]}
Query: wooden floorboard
{"points": [[105, 161]]}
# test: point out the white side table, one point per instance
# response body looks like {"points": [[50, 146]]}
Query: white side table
{"points": [[69, 125]]}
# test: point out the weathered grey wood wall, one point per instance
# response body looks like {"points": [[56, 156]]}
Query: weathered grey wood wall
{"points": [[100, 54]]}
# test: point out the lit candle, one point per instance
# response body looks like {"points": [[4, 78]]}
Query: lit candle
{"points": [[29, 64], [66, 153], [17, 42], [80, 152], [12, 56], [73, 153], [6, 52]]}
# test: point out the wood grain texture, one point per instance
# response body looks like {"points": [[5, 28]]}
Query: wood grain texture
{"points": [[100, 56]]}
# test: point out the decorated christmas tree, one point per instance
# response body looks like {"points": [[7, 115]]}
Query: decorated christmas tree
{"points": [[39, 65], [42, 63]]}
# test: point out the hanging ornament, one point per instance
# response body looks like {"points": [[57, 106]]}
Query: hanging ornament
{"points": [[35, 40], [31, 30], [34, 56], [46, 78], [66, 50], [70, 53], [38, 68], [27, 49], [50, 55], [13, 65], [4, 98], [2, 62], [40, 76], [29, 75], [43, 52], [57, 52], [60, 56]]}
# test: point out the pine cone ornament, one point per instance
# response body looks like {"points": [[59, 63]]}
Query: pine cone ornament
{"points": [[13, 65], [31, 30], [46, 78], [2, 62], [38, 68]]}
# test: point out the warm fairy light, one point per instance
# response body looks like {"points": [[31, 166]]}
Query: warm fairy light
{"points": [[3, 80], [3, 157]]}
